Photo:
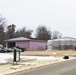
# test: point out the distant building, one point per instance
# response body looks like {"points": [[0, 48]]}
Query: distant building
{"points": [[63, 43], [29, 44]]}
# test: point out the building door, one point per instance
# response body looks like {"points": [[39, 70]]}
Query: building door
{"points": [[11, 44]]}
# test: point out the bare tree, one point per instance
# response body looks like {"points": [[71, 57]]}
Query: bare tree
{"points": [[43, 33], [56, 34], [23, 33], [20, 32], [2, 26], [10, 31], [28, 33]]}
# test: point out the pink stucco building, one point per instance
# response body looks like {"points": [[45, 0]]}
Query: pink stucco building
{"points": [[29, 44]]}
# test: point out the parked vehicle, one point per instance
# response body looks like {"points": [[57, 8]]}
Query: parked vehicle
{"points": [[4, 49], [13, 48]]}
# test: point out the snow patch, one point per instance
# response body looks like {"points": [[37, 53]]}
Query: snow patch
{"points": [[42, 57], [5, 57]]}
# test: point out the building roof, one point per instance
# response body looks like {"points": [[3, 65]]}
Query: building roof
{"points": [[18, 39], [23, 39], [63, 39]]}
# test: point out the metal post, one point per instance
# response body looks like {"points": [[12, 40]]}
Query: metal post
{"points": [[16, 57]]}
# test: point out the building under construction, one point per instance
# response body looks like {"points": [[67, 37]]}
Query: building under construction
{"points": [[64, 43]]}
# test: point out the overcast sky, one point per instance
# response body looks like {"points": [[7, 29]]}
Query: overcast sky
{"points": [[55, 14]]}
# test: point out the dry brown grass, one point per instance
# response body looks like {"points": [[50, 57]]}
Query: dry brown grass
{"points": [[49, 53]]}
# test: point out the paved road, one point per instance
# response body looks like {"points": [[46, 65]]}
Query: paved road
{"points": [[63, 68]]}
